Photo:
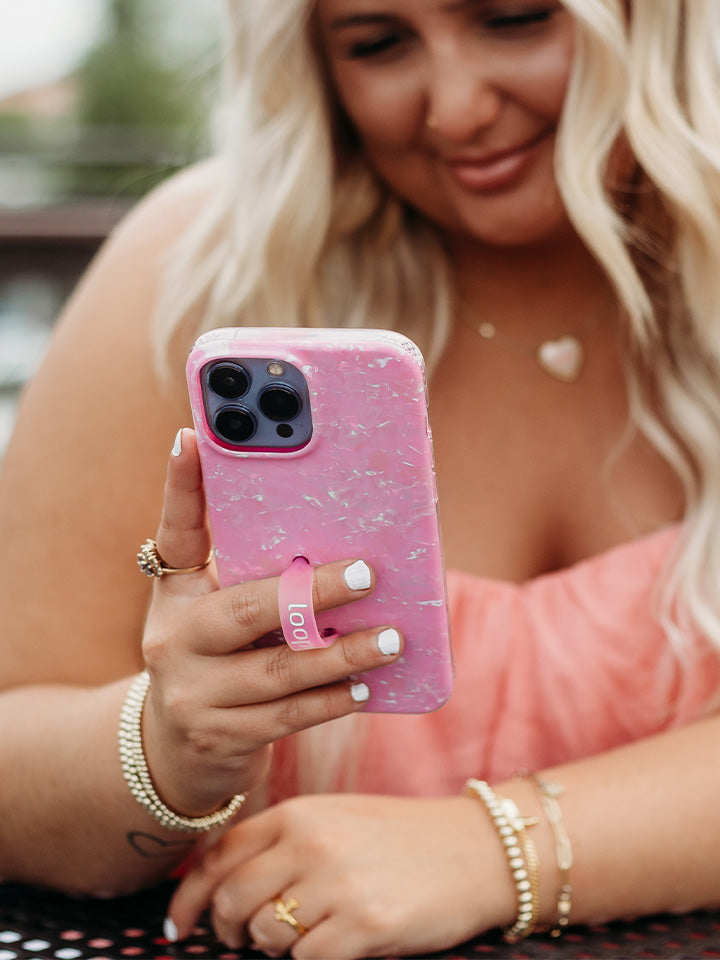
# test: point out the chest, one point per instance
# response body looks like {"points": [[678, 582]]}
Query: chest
{"points": [[535, 475]]}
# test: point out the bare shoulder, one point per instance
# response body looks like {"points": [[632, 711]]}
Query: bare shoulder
{"points": [[120, 288], [113, 305], [82, 481], [164, 214], [173, 203]]}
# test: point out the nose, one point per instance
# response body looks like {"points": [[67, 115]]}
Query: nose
{"points": [[462, 99]]}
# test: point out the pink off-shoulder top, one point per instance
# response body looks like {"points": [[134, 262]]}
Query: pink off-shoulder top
{"points": [[567, 665]]}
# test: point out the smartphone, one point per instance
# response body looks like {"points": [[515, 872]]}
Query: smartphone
{"points": [[316, 443]]}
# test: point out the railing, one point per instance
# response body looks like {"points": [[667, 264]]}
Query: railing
{"points": [[58, 240], [42, 254]]}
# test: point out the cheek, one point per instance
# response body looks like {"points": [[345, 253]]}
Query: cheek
{"points": [[381, 111], [552, 73]]}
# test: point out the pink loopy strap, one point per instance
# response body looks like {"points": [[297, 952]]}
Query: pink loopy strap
{"points": [[297, 616]]}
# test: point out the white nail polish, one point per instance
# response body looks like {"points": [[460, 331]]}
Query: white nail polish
{"points": [[170, 931], [360, 692], [388, 641], [357, 575], [177, 446]]}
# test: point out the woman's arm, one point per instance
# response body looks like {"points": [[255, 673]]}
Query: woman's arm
{"points": [[70, 821], [81, 488], [213, 707], [376, 876]]}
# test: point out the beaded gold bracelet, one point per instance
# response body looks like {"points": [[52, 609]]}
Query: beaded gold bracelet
{"points": [[520, 853], [137, 776], [549, 792]]}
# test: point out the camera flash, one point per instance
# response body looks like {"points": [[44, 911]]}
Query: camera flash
{"points": [[275, 368]]}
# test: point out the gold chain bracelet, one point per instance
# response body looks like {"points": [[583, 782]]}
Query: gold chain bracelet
{"points": [[137, 776], [549, 792]]}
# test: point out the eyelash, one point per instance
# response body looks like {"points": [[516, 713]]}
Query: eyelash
{"points": [[365, 49], [520, 20], [390, 41]]}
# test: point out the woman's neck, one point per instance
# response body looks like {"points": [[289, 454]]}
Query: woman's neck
{"points": [[531, 291]]}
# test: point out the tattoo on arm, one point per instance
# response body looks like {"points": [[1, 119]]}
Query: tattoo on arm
{"points": [[149, 846]]}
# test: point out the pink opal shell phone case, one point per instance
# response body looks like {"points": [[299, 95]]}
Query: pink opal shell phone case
{"points": [[353, 478]]}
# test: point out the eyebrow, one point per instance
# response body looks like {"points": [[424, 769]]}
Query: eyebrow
{"points": [[363, 19], [455, 6], [359, 20]]}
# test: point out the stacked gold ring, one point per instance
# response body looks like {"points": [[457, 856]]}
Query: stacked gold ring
{"points": [[153, 565]]}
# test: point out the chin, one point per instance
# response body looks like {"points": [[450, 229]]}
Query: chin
{"points": [[507, 219], [508, 235]]}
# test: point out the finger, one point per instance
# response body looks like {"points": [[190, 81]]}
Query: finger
{"points": [[240, 845], [260, 723], [335, 938], [183, 537], [266, 675], [246, 891], [276, 936], [235, 616]]}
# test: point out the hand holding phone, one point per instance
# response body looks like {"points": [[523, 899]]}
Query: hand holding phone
{"points": [[315, 444], [215, 704]]}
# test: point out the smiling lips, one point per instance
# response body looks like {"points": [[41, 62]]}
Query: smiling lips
{"points": [[493, 171]]}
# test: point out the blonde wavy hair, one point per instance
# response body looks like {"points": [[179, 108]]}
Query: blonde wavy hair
{"points": [[300, 231]]}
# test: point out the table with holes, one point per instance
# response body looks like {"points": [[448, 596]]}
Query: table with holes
{"points": [[43, 925]]}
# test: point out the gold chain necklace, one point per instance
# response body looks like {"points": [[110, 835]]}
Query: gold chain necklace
{"points": [[562, 357]]}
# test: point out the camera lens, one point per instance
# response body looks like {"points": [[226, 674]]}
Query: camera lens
{"points": [[228, 381], [235, 424], [279, 403]]}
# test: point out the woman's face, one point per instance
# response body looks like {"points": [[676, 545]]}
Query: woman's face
{"points": [[456, 103]]}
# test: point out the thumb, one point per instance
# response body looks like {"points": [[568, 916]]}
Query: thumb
{"points": [[183, 538]]}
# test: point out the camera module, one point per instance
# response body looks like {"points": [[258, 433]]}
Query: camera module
{"points": [[256, 404]]}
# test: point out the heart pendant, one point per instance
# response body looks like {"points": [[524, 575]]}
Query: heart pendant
{"points": [[562, 358]]}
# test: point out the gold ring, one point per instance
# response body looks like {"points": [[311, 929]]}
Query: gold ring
{"points": [[284, 914], [153, 565]]}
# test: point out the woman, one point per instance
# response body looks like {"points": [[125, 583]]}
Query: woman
{"points": [[530, 189]]}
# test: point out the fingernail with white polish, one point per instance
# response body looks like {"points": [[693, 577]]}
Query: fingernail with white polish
{"points": [[177, 446], [170, 931], [360, 692], [388, 642], [357, 575]]}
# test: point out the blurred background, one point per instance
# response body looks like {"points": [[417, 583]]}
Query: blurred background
{"points": [[99, 101]]}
